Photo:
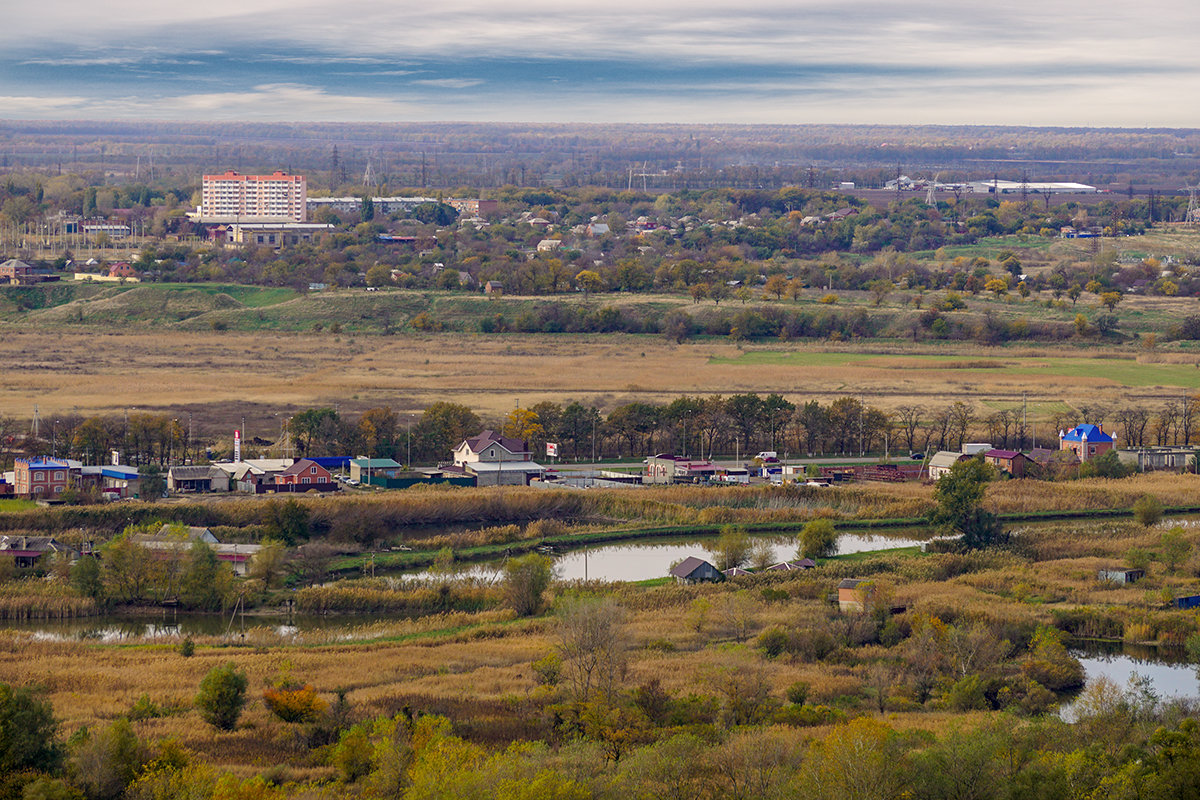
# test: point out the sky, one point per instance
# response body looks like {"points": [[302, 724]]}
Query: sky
{"points": [[1013, 62]]}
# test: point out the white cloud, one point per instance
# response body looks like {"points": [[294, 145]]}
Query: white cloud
{"points": [[449, 83]]}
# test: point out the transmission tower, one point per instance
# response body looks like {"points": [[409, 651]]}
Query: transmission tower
{"points": [[930, 200], [1192, 217], [368, 174]]}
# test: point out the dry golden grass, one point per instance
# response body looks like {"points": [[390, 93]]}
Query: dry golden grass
{"points": [[221, 376]]}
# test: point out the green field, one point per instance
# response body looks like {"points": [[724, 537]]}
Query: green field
{"points": [[13, 504]]}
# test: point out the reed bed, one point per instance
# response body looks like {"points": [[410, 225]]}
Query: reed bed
{"points": [[36, 599], [379, 597]]}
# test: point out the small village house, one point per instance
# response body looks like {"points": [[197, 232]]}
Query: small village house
{"points": [[198, 479], [1015, 463], [305, 473], [27, 551], [854, 594], [695, 570], [495, 460], [363, 468], [942, 461]]}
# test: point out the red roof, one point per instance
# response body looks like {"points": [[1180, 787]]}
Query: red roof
{"points": [[301, 467], [487, 437]]}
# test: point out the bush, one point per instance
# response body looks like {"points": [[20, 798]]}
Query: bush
{"points": [[1147, 510], [187, 648], [773, 642], [818, 539], [798, 692], [222, 696], [548, 669], [294, 703]]}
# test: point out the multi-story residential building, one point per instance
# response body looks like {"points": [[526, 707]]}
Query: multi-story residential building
{"points": [[233, 197], [33, 477]]}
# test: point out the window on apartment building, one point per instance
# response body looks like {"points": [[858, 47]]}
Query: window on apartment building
{"points": [[58, 476], [39, 476]]}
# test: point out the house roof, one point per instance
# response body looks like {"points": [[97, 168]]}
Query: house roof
{"points": [[301, 466], [32, 545], [945, 458], [790, 566], [189, 533], [689, 565], [375, 463], [734, 572], [489, 437], [851, 583], [503, 466], [1086, 433], [1009, 454], [193, 473]]}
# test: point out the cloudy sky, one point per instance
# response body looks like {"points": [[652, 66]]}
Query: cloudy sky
{"points": [[1018, 62]]}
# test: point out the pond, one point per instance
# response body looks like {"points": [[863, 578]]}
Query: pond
{"points": [[170, 626], [1165, 669], [647, 559]]}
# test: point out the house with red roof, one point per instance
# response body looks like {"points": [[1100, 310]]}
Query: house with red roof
{"points": [[1011, 461], [306, 473]]}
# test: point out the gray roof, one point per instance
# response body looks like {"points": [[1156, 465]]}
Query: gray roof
{"points": [[685, 568], [851, 583], [192, 473], [945, 458]]}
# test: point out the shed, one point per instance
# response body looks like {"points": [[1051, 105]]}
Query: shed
{"points": [[853, 594], [695, 570], [1121, 576]]}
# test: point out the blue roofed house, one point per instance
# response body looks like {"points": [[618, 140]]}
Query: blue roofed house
{"points": [[1085, 441]]}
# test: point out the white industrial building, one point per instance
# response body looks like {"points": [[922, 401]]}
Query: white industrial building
{"points": [[1030, 187]]}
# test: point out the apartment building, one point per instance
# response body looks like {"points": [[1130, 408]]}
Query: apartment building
{"points": [[233, 197]]}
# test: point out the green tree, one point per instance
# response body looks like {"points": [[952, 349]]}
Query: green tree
{"points": [[128, 568], [206, 580], [287, 521], [86, 577], [105, 763], [525, 582], [222, 696], [589, 281], [1175, 548], [152, 483], [379, 275], [1147, 510], [367, 209], [959, 498], [28, 732], [818, 539], [732, 548]]}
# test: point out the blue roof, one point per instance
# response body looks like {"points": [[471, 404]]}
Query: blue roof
{"points": [[120, 473], [43, 462], [1086, 432]]}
